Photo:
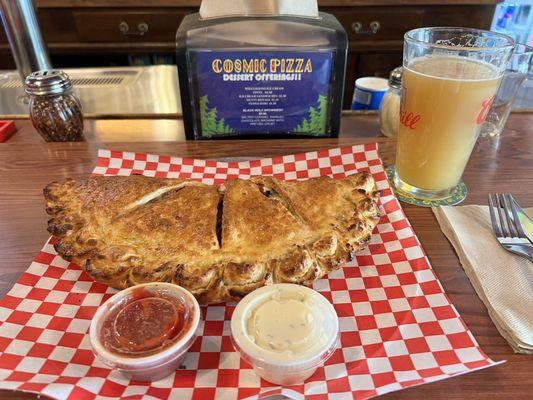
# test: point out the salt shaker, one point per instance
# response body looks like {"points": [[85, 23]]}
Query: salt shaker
{"points": [[389, 112], [54, 109]]}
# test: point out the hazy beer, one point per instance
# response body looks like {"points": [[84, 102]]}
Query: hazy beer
{"points": [[445, 99], [440, 118]]}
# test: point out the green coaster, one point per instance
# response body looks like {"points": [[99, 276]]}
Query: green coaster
{"points": [[456, 197]]}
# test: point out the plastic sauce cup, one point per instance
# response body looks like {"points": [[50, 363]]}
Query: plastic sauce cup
{"points": [[273, 363], [160, 361]]}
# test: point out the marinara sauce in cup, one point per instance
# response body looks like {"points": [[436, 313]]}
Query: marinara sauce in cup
{"points": [[145, 331]]}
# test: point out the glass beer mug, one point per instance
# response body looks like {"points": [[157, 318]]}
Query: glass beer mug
{"points": [[450, 77]]}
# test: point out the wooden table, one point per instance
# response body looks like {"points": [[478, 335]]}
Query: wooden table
{"points": [[27, 164]]}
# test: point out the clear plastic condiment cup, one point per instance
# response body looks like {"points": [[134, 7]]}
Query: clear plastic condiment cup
{"points": [[158, 364], [284, 368]]}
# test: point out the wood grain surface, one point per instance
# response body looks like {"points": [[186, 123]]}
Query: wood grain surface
{"points": [[27, 164]]}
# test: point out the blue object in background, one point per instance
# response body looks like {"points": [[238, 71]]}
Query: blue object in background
{"points": [[515, 18], [506, 18], [368, 93]]}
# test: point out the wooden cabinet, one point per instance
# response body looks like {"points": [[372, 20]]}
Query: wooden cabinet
{"points": [[105, 32], [378, 64], [378, 23], [376, 33], [127, 26]]}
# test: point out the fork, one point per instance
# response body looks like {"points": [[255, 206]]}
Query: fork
{"points": [[507, 227]]}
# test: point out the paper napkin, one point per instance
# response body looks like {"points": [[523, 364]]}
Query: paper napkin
{"points": [[226, 8], [502, 280]]}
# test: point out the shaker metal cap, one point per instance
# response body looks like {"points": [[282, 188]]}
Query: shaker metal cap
{"points": [[47, 82], [395, 78]]}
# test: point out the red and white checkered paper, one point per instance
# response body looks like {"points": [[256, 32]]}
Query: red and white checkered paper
{"points": [[398, 328]]}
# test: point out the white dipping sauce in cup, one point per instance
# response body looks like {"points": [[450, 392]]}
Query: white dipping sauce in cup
{"points": [[285, 332]]}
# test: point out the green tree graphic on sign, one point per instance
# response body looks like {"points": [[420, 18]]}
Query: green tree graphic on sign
{"points": [[211, 125], [316, 123]]}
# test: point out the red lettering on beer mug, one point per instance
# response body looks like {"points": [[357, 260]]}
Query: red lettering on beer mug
{"points": [[408, 119], [485, 107]]}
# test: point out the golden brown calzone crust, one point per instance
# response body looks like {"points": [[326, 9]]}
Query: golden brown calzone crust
{"points": [[219, 243]]}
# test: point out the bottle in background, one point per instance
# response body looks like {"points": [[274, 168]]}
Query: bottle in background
{"points": [[389, 111]]}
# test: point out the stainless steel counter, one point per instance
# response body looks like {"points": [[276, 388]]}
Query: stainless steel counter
{"points": [[136, 92], [128, 92]]}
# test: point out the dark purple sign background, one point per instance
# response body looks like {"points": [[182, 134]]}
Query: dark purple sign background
{"points": [[261, 106]]}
